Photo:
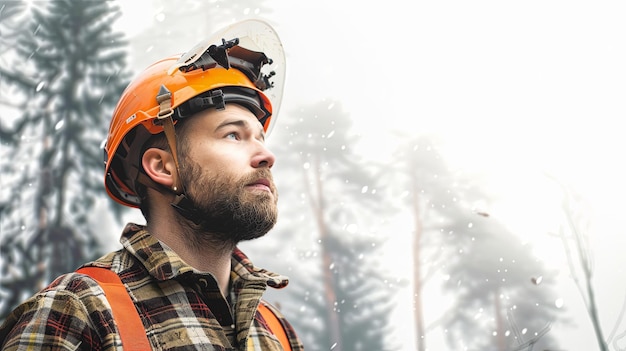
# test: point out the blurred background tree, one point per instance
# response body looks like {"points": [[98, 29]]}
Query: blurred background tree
{"points": [[65, 69], [574, 235], [342, 300], [502, 296]]}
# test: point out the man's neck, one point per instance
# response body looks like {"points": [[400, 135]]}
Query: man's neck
{"points": [[214, 259]]}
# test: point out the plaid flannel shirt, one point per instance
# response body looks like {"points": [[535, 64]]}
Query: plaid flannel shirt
{"points": [[181, 309]]}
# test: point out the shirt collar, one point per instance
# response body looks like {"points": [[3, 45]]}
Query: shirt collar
{"points": [[243, 267], [163, 263]]}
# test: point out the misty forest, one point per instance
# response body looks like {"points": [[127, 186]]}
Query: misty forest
{"points": [[461, 278]]}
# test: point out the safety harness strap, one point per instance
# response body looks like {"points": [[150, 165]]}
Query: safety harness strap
{"points": [[129, 325], [131, 329], [276, 327]]}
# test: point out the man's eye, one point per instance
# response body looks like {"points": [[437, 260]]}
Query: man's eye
{"points": [[232, 135]]}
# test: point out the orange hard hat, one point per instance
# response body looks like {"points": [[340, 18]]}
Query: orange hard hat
{"points": [[240, 70]]}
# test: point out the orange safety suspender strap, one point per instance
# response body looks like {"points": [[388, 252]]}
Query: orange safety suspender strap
{"points": [[129, 325], [132, 331], [275, 326]]}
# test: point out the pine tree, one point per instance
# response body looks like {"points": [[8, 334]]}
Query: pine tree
{"points": [[347, 305], [12, 19], [67, 74], [503, 297]]}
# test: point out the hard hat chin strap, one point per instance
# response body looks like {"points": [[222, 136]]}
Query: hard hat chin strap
{"points": [[185, 207], [164, 118], [181, 203]]}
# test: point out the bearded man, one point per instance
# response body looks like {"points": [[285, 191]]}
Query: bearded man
{"points": [[186, 145]]}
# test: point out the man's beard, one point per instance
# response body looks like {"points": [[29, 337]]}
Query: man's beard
{"points": [[228, 212]]}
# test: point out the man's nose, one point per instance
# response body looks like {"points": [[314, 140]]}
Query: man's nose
{"points": [[263, 158]]}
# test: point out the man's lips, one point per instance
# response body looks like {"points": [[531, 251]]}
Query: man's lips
{"points": [[263, 184]]}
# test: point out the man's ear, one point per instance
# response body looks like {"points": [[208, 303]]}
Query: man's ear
{"points": [[159, 165]]}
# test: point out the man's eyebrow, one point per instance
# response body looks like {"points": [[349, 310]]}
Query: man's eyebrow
{"points": [[240, 123], [235, 122]]}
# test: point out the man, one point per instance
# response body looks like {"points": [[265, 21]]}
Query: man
{"points": [[186, 145]]}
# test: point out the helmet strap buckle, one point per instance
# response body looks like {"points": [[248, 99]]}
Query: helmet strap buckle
{"points": [[164, 99], [185, 207]]}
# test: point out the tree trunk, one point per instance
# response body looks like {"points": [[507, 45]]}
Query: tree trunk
{"points": [[592, 308], [497, 306], [334, 326], [417, 267]]}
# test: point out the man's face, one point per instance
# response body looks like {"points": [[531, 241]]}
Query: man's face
{"points": [[225, 167]]}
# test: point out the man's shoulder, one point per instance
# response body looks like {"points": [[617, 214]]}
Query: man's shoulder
{"points": [[72, 288], [74, 303], [73, 291], [65, 305]]}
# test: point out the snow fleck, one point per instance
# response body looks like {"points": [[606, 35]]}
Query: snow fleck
{"points": [[306, 165], [558, 303], [364, 189], [59, 124], [40, 86], [352, 228]]}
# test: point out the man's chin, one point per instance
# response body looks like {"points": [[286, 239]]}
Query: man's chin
{"points": [[261, 197], [258, 231]]}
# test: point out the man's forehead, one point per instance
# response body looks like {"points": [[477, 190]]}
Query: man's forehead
{"points": [[233, 114]]}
